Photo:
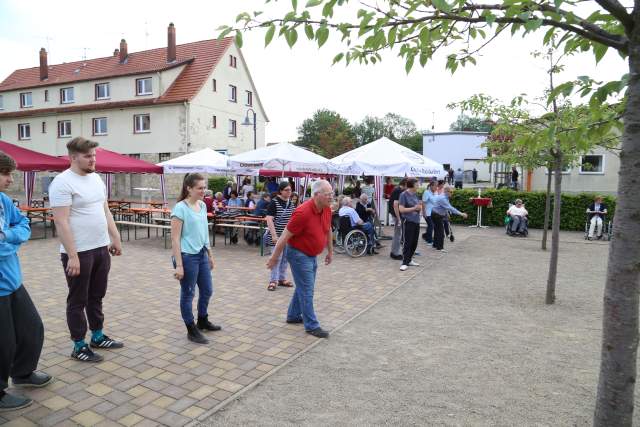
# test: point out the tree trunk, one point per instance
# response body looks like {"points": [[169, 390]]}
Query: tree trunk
{"points": [[555, 227], [547, 208], [614, 403]]}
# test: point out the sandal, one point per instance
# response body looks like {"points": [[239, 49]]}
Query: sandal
{"points": [[285, 283], [272, 286]]}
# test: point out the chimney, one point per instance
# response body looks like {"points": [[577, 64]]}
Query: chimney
{"points": [[44, 69], [116, 52], [171, 43], [123, 51]]}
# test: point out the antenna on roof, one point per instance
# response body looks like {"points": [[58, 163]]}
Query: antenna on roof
{"points": [[433, 120], [84, 53], [146, 35]]}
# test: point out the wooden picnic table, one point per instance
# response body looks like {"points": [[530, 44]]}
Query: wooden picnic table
{"points": [[41, 214]]}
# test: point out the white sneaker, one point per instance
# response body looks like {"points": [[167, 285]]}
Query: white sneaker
{"points": [[403, 267], [414, 264], [416, 253]]}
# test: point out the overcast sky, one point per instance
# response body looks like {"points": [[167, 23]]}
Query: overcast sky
{"points": [[292, 84]]}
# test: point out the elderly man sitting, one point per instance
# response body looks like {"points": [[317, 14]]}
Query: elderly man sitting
{"points": [[366, 212], [518, 215], [347, 209], [596, 212]]}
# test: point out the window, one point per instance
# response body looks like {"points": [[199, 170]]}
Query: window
{"points": [[46, 95], [214, 85], [233, 93], [64, 129], [25, 100], [100, 126], [249, 98], [44, 127], [214, 122], [223, 151], [66, 95], [24, 131], [143, 86], [1, 103], [103, 91], [233, 128], [593, 163], [141, 123], [135, 156], [163, 157], [233, 61]]}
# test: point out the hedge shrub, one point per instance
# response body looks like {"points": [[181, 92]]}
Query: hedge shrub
{"points": [[217, 183], [572, 214]]}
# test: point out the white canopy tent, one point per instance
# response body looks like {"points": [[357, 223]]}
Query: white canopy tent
{"points": [[282, 157], [385, 157], [204, 161]]}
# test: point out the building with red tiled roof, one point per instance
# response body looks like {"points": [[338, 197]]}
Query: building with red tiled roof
{"points": [[155, 104]]}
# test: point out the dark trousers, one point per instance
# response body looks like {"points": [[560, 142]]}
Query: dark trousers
{"points": [[86, 291], [438, 230], [458, 184], [21, 336], [475, 177], [428, 235], [411, 234]]}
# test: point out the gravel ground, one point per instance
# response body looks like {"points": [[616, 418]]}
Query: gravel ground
{"points": [[467, 340]]}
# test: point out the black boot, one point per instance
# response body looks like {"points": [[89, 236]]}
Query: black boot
{"points": [[205, 325], [195, 335]]}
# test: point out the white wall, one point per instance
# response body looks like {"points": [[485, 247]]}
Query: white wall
{"points": [[454, 147], [481, 167], [208, 103]]}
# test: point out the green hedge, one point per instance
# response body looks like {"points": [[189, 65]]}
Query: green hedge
{"points": [[217, 183], [572, 214]]}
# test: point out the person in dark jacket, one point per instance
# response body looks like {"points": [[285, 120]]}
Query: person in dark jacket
{"points": [[596, 214]]}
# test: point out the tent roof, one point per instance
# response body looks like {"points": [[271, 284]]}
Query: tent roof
{"points": [[283, 157], [29, 160], [112, 162], [385, 157], [205, 161]]}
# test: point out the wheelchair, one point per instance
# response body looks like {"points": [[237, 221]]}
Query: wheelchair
{"points": [[607, 229], [348, 239]]}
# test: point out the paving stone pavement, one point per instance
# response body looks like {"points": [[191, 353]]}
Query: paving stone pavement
{"points": [[160, 378]]}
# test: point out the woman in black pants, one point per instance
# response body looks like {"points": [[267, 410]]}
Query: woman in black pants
{"points": [[439, 211]]}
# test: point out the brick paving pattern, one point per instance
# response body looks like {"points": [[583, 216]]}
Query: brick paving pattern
{"points": [[160, 378]]}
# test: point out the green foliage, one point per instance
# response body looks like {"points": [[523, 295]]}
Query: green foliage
{"points": [[392, 126], [217, 183], [326, 133], [572, 214], [465, 123]]}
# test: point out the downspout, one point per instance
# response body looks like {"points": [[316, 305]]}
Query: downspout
{"points": [[529, 179], [160, 91], [186, 127]]}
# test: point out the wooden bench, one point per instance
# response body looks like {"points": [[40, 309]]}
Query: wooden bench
{"points": [[260, 229], [166, 229]]}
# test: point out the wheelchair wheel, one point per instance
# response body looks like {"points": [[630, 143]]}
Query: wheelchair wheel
{"points": [[355, 243], [609, 233]]}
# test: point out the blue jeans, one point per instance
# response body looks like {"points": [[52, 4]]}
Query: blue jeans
{"points": [[368, 229], [279, 271], [196, 271], [303, 269]]}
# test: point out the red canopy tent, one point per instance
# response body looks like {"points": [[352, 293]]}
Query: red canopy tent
{"points": [[30, 162]]}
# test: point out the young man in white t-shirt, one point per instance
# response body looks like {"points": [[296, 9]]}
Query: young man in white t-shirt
{"points": [[518, 215], [89, 237]]}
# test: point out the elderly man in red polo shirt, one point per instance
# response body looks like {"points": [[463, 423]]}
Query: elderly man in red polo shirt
{"points": [[307, 234]]}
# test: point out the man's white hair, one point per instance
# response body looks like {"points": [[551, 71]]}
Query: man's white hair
{"points": [[364, 197], [346, 201], [316, 187]]}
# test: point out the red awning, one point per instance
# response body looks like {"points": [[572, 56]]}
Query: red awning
{"points": [[112, 162], [32, 161]]}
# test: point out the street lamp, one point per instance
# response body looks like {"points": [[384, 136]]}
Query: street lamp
{"points": [[248, 122]]}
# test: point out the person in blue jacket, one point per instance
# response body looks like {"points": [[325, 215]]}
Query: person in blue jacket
{"points": [[21, 329]]}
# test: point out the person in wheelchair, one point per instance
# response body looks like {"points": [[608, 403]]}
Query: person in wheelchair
{"points": [[517, 219], [596, 213], [347, 209]]}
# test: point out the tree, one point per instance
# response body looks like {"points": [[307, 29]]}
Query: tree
{"points": [[393, 126], [326, 133], [369, 129], [466, 123], [417, 29]]}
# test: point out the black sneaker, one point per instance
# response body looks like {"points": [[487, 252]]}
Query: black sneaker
{"points": [[294, 321], [9, 402], [319, 333], [396, 257], [35, 379], [194, 335], [86, 355], [106, 342], [204, 324]]}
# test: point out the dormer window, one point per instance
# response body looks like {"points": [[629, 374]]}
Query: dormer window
{"points": [[67, 95], [233, 61], [26, 100], [103, 91], [143, 86]]}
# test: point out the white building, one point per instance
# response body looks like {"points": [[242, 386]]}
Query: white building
{"points": [[154, 104], [458, 150]]}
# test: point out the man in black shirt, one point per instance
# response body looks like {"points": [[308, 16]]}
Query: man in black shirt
{"points": [[396, 245], [514, 178]]}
